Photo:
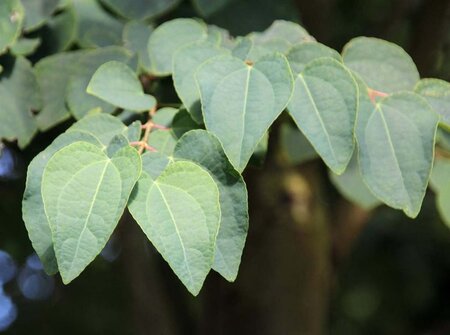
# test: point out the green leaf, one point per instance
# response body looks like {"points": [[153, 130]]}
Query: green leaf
{"points": [[78, 100], [352, 186], [440, 182], [134, 131], [96, 28], [11, 19], [180, 214], [168, 38], [301, 54], [203, 148], [116, 83], [186, 62], [382, 65], [141, 9], [164, 116], [154, 163], [396, 148], [19, 95], [25, 46], [241, 101], [102, 126], [281, 29], [206, 7], [324, 106], [182, 123], [135, 38], [67, 75], [84, 193], [295, 146], [60, 31], [437, 93], [269, 47], [163, 140], [242, 48], [34, 216], [37, 12]]}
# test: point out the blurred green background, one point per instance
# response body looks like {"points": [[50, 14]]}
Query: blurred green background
{"points": [[336, 270]]}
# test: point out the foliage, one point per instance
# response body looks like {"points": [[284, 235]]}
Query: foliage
{"points": [[365, 112]]}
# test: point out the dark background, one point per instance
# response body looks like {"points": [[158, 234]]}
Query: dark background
{"points": [[313, 263]]}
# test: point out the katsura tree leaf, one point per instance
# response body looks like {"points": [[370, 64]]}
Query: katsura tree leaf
{"points": [[163, 141], [37, 12], [182, 123], [203, 148], [240, 101], [219, 37], [281, 29], [115, 83], [19, 95], [180, 214], [242, 48], [382, 65], [352, 186], [440, 182], [135, 38], [60, 31], [25, 46], [78, 100], [154, 163], [443, 139], [11, 20], [64, 77], [34, 216], [84, 194], [260, 153], [303, 53], [186, 62], [102, 126], [260, 50], [164, 116], [324, 107], [437, 93], [134, 131], [206, 7], [96, 28], [294, 146], [141, 9], [396, 148], [170, 36]]}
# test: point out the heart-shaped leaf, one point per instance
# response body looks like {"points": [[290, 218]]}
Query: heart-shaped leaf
{"points": [[180, 214], [437, 93]]}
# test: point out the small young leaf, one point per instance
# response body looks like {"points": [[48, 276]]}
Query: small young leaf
{"points": [[289, 31], [37, 12], [180, 214], [240, 101], [25, 46], [186, 62], [116, 83], [382, 65], [203, 148], [84, 194], [396, 148], [168, 38], [437, 93], [135, 38], [324, 106], [295, 146]]}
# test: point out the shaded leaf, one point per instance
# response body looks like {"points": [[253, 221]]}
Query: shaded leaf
{"points": [[11, 20], [141, 9], [37, 12], [437, 93]]}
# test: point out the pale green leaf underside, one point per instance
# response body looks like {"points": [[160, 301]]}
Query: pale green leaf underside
{"points": [[84, 194], [241, 101], [167, 38], [180, 214], [116, 83], [324, 107], [396, 141], [34, 216], [437, 93], [382, 65], [135, 38], [303, 53], [203, 148]]}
